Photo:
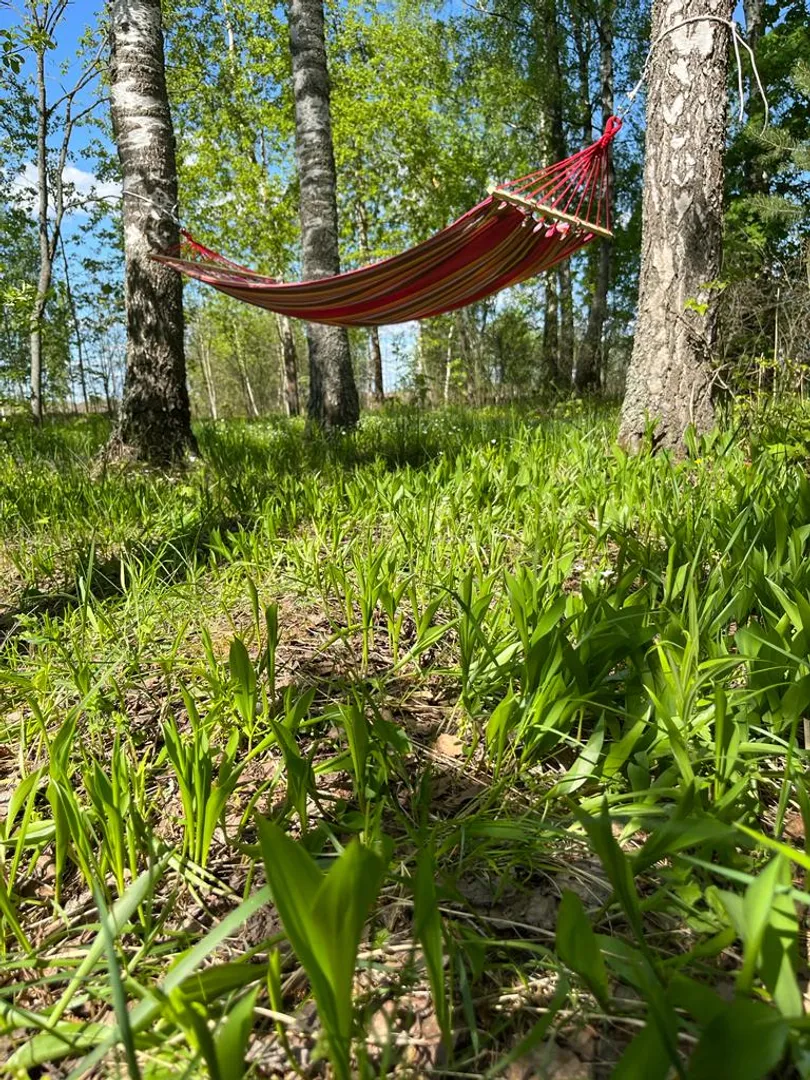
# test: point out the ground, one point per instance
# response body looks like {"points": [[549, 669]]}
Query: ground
{"points": [[553, 692]]}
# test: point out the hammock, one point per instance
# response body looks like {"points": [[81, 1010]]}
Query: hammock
{"points": [[524, 227]]}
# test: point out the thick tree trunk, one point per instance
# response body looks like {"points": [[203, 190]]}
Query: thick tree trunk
{"points": [[289, 365], [590, 351], [558, 334], [154, 422], [756, 181], [754, 11], [670, 377], [333, 400]]}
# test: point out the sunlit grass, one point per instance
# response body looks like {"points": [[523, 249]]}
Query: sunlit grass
{"points": [[486, 655]]}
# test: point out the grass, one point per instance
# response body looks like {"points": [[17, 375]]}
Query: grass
{"points": [[464, 746]]}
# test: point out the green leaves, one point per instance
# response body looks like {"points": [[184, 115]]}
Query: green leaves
{"points": [[745, 1040], [231, 1040], [766, 919], [205, 779], [323, 916], [427, 928], [578, 947]]}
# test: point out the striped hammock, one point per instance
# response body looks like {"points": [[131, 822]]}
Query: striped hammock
{"points": [[522, 228]]}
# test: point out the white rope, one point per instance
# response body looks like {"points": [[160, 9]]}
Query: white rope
{"points": [[737, 40], [161, 210]]}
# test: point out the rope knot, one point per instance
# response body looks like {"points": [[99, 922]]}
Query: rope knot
{"points": [[612, 128]]}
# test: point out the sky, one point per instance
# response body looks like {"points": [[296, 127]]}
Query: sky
{"points": [[63, 71]]}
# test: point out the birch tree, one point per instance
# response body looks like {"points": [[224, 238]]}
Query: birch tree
{"points": [[670, 378], [333, 400], [154, 423]]}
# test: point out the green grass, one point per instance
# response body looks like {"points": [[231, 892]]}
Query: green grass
{"points": [[462, 740]]}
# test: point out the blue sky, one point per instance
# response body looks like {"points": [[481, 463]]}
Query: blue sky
{"points": [[63, 70]]}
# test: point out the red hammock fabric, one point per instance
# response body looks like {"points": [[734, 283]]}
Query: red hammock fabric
{"points": [[522, 228]]}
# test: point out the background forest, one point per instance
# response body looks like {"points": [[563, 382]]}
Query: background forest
{"points": [[429, 105]]}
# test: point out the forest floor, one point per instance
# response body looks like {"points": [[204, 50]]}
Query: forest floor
{"points": [[530, 710]]}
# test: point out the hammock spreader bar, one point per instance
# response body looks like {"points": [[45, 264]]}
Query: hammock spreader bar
{"points": [[523, 227]]}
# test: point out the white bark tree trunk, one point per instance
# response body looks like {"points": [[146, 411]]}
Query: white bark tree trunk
{"points": [[154, 422], [333, 400], [670, 376]]}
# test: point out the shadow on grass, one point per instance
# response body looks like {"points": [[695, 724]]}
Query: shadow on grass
{"points": [[166, 562], [248, 471]]}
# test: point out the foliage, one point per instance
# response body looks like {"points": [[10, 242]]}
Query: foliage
{"points": [[610, 826]]}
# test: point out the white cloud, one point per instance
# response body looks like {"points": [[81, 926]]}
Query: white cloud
{"points": [[86, 184], [83, 185]]}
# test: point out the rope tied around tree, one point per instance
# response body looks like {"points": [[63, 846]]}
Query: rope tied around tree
{"points": [[737, 40]]}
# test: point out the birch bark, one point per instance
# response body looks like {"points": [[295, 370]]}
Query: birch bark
{"points": [[670, 376]]}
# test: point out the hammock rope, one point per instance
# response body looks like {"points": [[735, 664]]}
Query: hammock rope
{"points": [[523, 227]]}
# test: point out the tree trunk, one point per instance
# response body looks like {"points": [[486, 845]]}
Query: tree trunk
{"points": [[565, 355], [558, 332], [241, 363], [77, 328], [755, 175], [590, 351], [333, 400], [448, 364], [670, 377], [45, 260], [154, 422], [376, 360], [289, 365], [374, 348], [754, 11], [551, 352], [208, 376]]}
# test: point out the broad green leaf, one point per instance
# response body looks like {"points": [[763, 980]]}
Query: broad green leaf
{"points": [[779, 952], [323, 917], [428, 932], [646, 1057], [231, 1040], [756, 915], [213, 983], [745, 1041], [244, 676], [586, 765], [64, 1039], [677, 834], [578, 947], [695, 998]]}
